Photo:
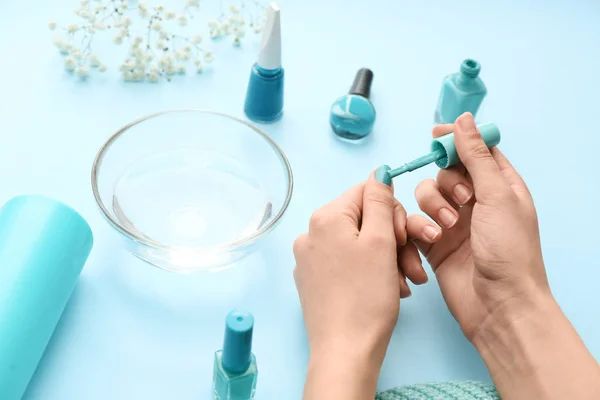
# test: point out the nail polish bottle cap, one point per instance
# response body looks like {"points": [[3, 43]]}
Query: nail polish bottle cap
{"points": [[362, 83], [270, 44], [237, 347], [489, 132]]}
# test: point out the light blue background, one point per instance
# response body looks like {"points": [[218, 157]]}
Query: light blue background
{"points": [[134, 332]]}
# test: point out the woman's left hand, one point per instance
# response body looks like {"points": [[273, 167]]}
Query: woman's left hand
{"points": [[350, 275]]}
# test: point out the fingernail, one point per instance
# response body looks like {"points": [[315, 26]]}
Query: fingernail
{"points": [[432, 232], [447, 218], [462, 193], [382, 175]]}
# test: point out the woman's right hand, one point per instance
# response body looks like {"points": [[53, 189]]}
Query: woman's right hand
{"points": [[490, 269]]}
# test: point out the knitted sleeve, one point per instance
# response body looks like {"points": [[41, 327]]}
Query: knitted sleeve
{"points": [[466, 390]]}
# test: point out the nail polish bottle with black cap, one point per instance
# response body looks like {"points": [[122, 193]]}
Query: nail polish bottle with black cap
{"points": [[353, 115]]}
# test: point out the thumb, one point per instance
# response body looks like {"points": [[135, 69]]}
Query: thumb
{"points": [[477, 158], [378, 208]]}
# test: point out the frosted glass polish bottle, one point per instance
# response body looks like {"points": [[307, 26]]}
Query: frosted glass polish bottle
{"points": [[461, 92]]}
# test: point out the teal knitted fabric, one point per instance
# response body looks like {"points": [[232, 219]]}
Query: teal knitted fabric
{"points": [[466, 390]]}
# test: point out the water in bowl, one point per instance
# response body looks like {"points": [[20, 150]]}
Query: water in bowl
{"points": [[192, 198]]}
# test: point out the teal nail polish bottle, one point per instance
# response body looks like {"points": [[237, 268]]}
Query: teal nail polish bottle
{"points": [[235, 371], [353, 115], [461, 92], [264, 96]]}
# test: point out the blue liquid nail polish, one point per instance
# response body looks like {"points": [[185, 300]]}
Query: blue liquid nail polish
{"points": [[235, 370], [264, 96], [382, 175], [461, 92], [353, 115]]}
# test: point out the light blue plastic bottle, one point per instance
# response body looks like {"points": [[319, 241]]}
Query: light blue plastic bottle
{"points": [[235, 371], [43, 247], [461, 92]]}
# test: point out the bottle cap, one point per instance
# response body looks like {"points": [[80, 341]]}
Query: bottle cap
{"points": [[470, 68], [237, 347], [489, 132], [269, 56], [362, 83]]}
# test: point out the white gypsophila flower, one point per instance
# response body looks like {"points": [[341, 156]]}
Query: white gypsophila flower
{"points": [[94, 61], [240, 32], [180, 69], [77, 54], [133, 17], [209, 57], [153, 77], [82, 71], [70, 63]]}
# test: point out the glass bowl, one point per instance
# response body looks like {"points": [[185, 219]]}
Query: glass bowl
{"points": [[191, 190]]}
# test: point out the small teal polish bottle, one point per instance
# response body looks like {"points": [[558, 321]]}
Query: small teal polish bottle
{"points": [[264, 96], [235, 371], [352, 116], [461, 92]]}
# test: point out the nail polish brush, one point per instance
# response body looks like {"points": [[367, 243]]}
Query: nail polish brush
{"points": [[443, 150]]}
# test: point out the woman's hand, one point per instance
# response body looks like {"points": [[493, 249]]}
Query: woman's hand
{"points": [[350, 284], [490, 269]]}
